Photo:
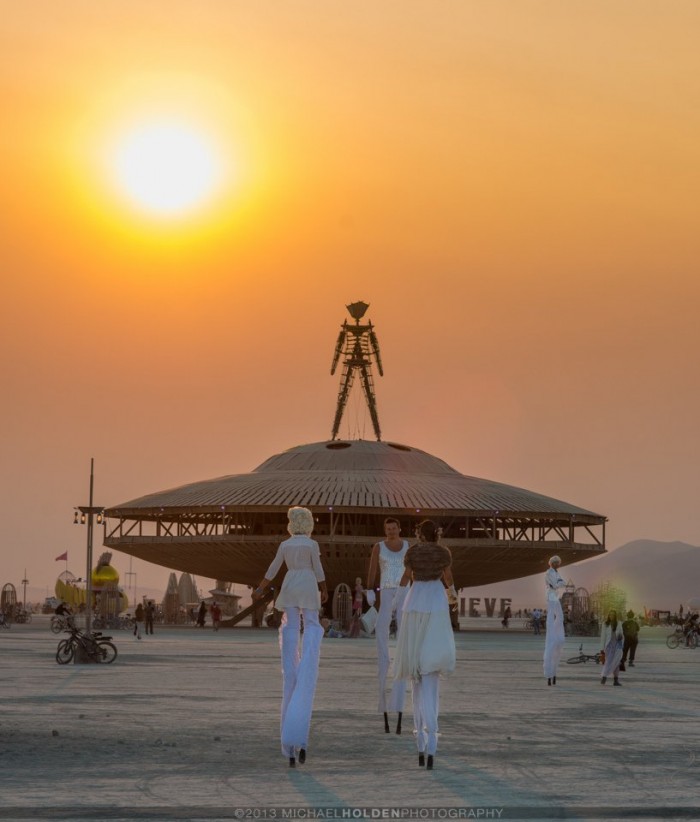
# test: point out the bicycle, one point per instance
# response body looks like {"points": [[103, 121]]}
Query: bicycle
{"points": [[60, 623], [681, 637], [96, 647], [598, 658], [530, 624]]}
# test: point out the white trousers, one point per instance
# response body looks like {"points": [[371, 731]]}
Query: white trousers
{"points": [[555, 639], [299, 676], [391, 600], [426, 705]]}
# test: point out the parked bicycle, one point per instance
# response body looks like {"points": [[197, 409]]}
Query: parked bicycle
{"points": [[598, 658], [682, 637], [96, 647]]}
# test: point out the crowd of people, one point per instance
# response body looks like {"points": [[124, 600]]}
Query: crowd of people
{"points": [[415, 591]]}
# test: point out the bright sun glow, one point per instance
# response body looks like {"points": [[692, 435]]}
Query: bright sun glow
{"points": [[166, 168]]}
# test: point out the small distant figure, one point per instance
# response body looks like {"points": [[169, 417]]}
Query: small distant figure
{"points": [[215, 612], [507, 614], [201, 614], [611, 640], [536, 617], [63, 610], [630, 632], [357, 602], [139, 617], [690, 627], [150, 616]]}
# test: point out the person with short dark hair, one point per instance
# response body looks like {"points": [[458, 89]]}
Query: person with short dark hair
{"points": [[388, 557], [426, 645], [630, 632], [139, 617], [202, 614], [150, 615], [215, 612]]}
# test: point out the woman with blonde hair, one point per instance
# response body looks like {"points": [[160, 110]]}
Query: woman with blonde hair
{"points": [[299, 598]]}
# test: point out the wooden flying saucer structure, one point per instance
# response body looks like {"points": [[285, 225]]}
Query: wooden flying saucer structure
{"points": [[229, 528]]}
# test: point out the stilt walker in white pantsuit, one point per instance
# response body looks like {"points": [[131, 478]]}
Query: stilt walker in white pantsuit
{"points": [[387, 557], [426, 647], [300, 599], [555, 639]]}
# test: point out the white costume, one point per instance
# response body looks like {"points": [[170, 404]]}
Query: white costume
{"points": [[612, 641], [391, 570], [555, 639], [426, 647], [299, 595]]}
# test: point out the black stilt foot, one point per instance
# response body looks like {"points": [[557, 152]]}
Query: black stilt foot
{"points": [[302, 755], [398, 723], [554, 680], [429, 764], [386, 723], [421, 760], [292, 762], [549, 680]]}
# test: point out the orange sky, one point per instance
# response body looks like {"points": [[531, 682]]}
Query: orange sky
{"points": [[511, 185]]}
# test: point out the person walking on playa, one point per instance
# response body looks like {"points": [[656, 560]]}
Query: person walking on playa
{"points": [[630, 631], [555, 639], [388, 556], [611, 641], [299, 598], [139, 617], [426, 645]]}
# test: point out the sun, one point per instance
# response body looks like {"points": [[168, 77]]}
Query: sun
{"points": [[166, 168]]}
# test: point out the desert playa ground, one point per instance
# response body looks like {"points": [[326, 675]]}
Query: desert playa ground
{"points": [[184, 725]]}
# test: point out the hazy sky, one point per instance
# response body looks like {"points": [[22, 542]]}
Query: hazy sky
{"points": [[511, 185]]}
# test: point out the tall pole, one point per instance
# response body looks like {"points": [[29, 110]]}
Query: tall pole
{"points": [[88, 588], [25, 582]]}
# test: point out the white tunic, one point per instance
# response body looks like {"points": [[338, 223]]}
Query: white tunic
{"points": [[302, 556], [553, 583], [391, 565]]}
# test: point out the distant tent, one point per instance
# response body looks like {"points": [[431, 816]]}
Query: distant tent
{"points": [[187, 590], [171, 600]]}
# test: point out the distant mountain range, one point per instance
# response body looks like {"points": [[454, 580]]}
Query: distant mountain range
{"points": [[658, 575]]}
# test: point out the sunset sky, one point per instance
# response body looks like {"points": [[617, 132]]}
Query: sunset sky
{"points": [[511, 184]]}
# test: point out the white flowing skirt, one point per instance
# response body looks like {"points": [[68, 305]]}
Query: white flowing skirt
{"points": [[613, 656], [426, 642]]}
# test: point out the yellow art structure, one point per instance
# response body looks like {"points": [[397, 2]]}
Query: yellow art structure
{"points": [[107, 597]]}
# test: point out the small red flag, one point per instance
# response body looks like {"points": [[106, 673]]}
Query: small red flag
{"points": [[63, 556]]}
